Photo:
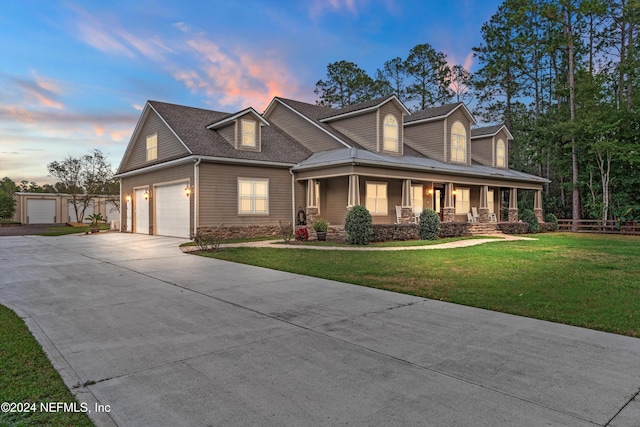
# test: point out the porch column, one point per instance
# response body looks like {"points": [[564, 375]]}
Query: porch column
{"points": [[449, 209], [513, 205], [483, 210], [353, 197], [537, 205], [406, 209], [311, 208]]}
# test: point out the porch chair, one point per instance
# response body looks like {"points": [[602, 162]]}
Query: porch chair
{"points": [[469, 217], [474, 212], [493, 218], [398, 214]]}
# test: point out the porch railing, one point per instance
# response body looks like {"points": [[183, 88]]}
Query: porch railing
{"points": [[599, 226]]}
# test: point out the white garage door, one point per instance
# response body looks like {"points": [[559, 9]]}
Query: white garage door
{"points": [[141, 212], [72, 212], [172, 210], [41, 211]]}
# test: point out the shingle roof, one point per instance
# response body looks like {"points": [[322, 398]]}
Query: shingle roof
{"points": [[355, 107], [190, 125], [486, 130]]}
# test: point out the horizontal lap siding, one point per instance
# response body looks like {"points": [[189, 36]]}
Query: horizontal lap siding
{"points": [[336, 197], [427, 139], [301, 130], [169, 147], [391, 108], [361, 129], [482, 149], [150, 179], [219, 195]]}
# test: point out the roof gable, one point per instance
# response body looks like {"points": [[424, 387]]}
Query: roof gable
{"points": [[486, 131], [247, 111], [437, 113], [362, 108]]}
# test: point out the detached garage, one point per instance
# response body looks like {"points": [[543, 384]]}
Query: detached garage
{"points": [[172, 210], [41, 211]]}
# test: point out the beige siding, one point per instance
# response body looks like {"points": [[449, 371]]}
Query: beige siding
{"points": [[169, 147], [503, 135], [427, 139], [176, 173], [336, 198], [391, 108], [229, 133], [482, 151], [360, 128], [300, 129], [219, 195]]}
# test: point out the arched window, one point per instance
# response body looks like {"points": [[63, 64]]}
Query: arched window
{"points": [[390, 134], [501, 154], [458, 143]]}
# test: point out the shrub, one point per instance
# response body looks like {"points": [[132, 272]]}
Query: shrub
{"points": [[530, 218], [7, 205], [207, 241], [429, 225], [321, 225], [551, 218], [513, 227], [302, 233], [358, 226], [286, 231]]}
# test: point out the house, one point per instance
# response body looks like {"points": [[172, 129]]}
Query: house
{"points": [[188, 169]]}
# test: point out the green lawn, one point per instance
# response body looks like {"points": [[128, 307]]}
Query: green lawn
{"points": [[585, 280], [26, 376], [64, 230]]}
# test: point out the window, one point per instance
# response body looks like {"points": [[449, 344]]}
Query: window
{"points": [[458, 143], [416, 198], [490, 201], [463, 205], [390, 134], [377, 198], [248, 133], [501, 158], [152, 147], [253, 196]]}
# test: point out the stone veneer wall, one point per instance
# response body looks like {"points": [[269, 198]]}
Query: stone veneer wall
{"points": [[241, 232]]}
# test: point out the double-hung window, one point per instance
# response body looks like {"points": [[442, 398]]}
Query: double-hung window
{"points": [[377, 198], [463, 202], [152, 147], [416, 198], [390, 134], [253, 196], [248, 133], [458, 143]]}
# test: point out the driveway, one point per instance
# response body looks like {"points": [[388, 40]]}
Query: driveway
{"points": [[171, 339]]}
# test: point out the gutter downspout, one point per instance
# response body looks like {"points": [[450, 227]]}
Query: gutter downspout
{"points": [[293, 200], [120, 203], [196, 194]]}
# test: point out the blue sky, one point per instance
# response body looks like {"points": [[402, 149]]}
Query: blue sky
{"points": [[74, 75]]}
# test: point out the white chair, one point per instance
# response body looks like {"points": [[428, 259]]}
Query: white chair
{"points": [[474, 213], [398, 214], [470, 217], [493, 218]]}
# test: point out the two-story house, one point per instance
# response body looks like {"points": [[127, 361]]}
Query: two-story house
{"points": [[186, 168]]}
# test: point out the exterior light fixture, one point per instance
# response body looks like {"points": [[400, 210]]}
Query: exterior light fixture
{"points": [[146, 195], [429, 191], [128, 197], [187, 190]]}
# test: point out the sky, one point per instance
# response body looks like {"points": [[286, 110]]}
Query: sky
{"points": [[75, 74]]}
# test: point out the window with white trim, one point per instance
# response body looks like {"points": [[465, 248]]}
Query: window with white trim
{"points": [[463, 202], [377, 203], [490, 201], [458, 143], [253, 196], [501, 154], [248, 133], [390, 134], [152, 147], [416, 198]]}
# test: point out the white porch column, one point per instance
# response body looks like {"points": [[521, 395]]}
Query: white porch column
{"points": [[311, 193], [537, 205], [406, 193], [483, 210], [353, 197], [513, 205]]}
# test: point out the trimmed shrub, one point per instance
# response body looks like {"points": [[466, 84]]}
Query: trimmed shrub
{"points": [[302, 233], [551, 219], [513, 227], [455, 229], [530, 218], [389, 232], [358, 226], [429, 225]]}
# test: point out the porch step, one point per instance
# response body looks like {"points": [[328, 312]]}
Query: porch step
{"points": [[484, 228]]}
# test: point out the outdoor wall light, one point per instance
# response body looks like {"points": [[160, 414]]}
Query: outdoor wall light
{"points": [[128, 197], [187, 190], [429, 191], [146, 195]]}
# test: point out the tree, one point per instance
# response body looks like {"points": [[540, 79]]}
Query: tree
{"points": [[346, 84], [460, 83], [430, 74], [392, 76], [7, 202], [83, 177]]}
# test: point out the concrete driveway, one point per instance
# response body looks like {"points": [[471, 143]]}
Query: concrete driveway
{"points": [[170, 339]]}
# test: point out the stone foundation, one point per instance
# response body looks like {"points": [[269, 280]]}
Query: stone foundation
{"points": [[483, 214], [312, 215], [513, 215], [406, 216], [241, 232], [448, 214], [539, 214]]}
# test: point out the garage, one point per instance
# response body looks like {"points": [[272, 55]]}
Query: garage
{"points": [[172, 210], [141, 216], [41, 211], [87, 212]]}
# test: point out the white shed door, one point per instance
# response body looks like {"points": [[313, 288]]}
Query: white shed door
{"points": [[141, 212], [172, 211], [41, 211]]}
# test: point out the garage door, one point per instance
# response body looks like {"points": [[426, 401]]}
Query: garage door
{"points": [[141, 216], [172, 210], [40, 211], [87, 212]]}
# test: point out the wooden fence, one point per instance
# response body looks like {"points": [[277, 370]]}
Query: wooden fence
{"points": [[599, 226]]}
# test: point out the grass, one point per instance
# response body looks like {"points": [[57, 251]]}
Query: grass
{"points": [[392, 244], [26, 375], [64, 230], [239, 240], [586, 280]]}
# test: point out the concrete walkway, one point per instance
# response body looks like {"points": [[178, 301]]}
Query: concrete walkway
{"points": [[170, 339]]}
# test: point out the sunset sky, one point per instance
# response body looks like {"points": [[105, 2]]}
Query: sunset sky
{"points": [[74, 75]]}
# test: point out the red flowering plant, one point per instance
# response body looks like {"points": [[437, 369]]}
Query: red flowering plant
{"points": [[302, 233]]}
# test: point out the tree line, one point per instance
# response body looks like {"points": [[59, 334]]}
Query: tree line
{"points": [[562, 75]]}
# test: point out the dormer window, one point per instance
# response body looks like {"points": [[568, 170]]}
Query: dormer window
{"points": [[390, 134], [248, 134], [458, 143], [501, 154], [152, 147]]}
